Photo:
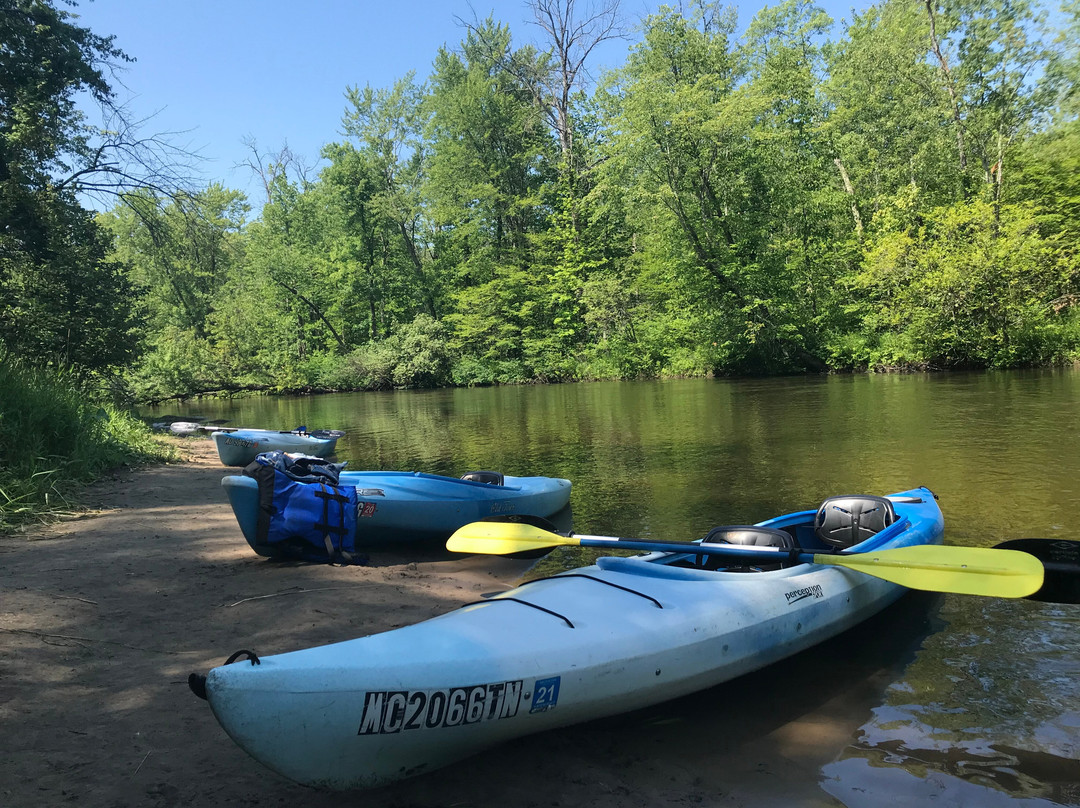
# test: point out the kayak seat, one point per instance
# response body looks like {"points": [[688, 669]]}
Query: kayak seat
{"points": [[744, 534], [845, 521], [490, 477]]}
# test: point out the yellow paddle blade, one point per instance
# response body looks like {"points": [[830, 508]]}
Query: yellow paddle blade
{"points": [[502, 538], [962, 570]]}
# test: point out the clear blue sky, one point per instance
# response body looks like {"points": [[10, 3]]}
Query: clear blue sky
{"points": [[221, 71]]}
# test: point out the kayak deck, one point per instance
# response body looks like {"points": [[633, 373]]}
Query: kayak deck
{"points": [[239, 447]]}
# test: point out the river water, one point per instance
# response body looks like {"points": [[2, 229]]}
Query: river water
{"points": [[946, 699]]}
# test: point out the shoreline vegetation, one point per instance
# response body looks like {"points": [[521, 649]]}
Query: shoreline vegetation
{"points": [[795, 196], [55, 439], [269, 390]]}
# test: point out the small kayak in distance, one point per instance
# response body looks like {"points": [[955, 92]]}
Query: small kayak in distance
{"points": [[394, 506], [184, 428], [613, 637], [238, 447]]}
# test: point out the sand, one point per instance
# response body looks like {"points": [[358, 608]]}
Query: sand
{"points": [[102, 618]]}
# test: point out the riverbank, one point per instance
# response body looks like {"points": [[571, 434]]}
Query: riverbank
{"points": [[104, 617]]}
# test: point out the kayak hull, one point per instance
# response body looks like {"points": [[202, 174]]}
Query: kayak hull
{"points": [[617, 636], [396, 506], [240, 447]]}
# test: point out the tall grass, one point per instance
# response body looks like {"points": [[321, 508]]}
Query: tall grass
{"points": [[55, 438]]}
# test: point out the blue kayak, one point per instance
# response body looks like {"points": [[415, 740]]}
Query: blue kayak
{"points": [[596, 641], [392, 506], [238, 447]]}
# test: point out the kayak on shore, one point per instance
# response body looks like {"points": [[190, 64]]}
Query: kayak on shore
{"points": [[280, 516], [605, 639], [238, 447]]}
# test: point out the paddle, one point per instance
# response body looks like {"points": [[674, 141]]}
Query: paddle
{"points": [[1061, 564], [962, 570]]}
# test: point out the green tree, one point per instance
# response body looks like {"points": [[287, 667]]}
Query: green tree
{"points": [[889, 123], [702, 148], [61, 301], [1000, 57], [388, 127], [491, 159], [1062, 78], [180, 252]]}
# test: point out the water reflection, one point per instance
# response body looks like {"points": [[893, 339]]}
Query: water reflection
{"points": [[675, 458], [987, 712]]}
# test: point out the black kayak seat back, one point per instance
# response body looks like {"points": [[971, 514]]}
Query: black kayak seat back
{"points": [[746, 535], [749, 534], [845, 521], [490, 477]]}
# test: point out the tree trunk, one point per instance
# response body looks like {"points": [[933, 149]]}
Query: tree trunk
{"points": [[418, 268], [314, 310], [851, 193], [950, 85]]}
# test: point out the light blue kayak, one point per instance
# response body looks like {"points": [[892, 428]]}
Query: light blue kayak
{"points": [[393, 506], [617, 636], [238, 447]]}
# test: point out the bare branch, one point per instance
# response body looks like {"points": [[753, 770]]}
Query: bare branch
{"points": [[124, 162], [571, 40], [268, 167]]}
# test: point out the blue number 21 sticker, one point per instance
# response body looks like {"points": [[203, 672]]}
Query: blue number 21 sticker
{"points": [[545, 694]]}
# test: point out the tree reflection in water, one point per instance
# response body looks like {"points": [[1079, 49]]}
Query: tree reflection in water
{"points": [[980, 718]]}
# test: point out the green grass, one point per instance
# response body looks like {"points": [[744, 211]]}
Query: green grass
{"points": [[55, 437]]}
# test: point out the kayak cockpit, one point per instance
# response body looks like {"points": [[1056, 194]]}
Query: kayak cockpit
{"points": [[839, 523]]}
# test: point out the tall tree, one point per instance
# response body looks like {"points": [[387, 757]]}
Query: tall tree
{"points": [[60, 300], [1063, 72], [181, 252], [700, 147], [388, 127], [950, 83], [1000, 58], [889, 124], [491, 158], [786, 75]]}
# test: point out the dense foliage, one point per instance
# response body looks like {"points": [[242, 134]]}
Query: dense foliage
{"points": [[903, 195], [61, 298], [67, 313], [54, 438]]}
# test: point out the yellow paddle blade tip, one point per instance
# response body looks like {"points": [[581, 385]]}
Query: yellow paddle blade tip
{"points": [[961, 570], [502, 538]]}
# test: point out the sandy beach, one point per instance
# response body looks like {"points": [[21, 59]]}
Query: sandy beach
{"points": [[102, 618]]}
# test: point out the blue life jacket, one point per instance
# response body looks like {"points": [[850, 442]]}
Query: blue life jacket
{"points": [[303, 513]]}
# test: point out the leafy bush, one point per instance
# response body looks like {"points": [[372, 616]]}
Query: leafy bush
{"points": [[422, 357], [971, 287], [416, 355]]}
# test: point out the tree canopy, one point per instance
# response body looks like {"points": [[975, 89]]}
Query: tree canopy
{"points": [[903, 195]]}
